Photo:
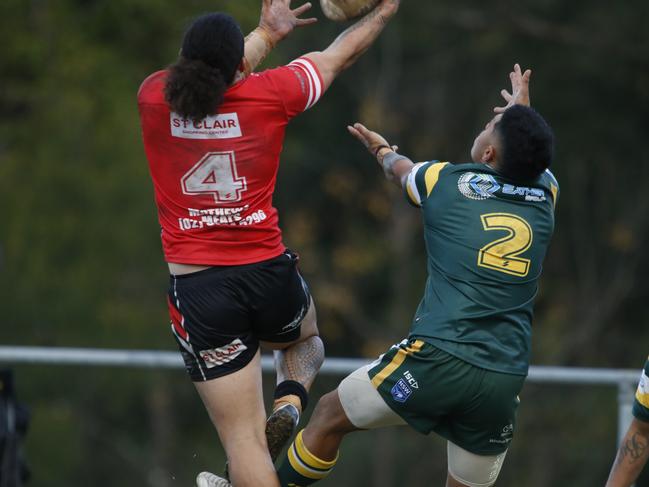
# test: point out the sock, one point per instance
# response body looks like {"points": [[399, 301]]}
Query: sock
{"points": [[301, 467], [293, 392]]}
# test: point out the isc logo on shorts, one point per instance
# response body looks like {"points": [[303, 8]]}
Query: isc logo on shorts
{"points": [[400, 391], [222, 355]]}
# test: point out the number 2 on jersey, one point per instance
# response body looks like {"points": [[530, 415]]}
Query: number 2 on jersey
{"points": [[502, 255], [215, 174]]}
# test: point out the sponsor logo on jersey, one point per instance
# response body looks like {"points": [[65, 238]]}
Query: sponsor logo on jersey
{"points": [[222, 355], [222, 126], [530, 194], [400, 391], [477, 186], [484, 186]]}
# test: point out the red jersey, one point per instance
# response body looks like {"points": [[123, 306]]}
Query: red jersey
{"points": [[214, 179]]}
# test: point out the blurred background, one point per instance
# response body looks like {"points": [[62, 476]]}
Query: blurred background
{"points": [[81, 263]]}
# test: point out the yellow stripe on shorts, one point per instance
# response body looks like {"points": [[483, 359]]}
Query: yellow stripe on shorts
{"points": [[397, 360]]}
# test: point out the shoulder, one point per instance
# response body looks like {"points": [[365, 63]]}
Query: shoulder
{"points": [[422, 179], [152, 88]]}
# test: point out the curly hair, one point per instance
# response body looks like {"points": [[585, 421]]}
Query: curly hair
{"points": [[211, 53], [528, 143]]}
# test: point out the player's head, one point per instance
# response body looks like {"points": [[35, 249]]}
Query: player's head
{"points": [[212, 52], [518, 143]]}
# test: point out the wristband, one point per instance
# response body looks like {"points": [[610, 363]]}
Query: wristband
{"points": [[263, 33], [388, 162], [382, 146], [257, 51]]}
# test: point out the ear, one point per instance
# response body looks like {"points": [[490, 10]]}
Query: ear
{"points": [[489, 154]]}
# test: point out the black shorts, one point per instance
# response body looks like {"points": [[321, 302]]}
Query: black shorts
{"points": [[219, 315]]}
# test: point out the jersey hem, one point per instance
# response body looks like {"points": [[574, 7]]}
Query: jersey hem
{"points": [[221, 262], [440, 343]]}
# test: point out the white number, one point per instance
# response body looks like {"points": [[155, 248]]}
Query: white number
{"points": [[256, 217], [215, 174]]}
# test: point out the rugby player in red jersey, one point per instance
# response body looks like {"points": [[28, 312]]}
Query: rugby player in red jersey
{"points": [[213, 134]]}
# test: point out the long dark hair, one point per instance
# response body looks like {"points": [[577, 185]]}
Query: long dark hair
{"points": [[211, 53]]}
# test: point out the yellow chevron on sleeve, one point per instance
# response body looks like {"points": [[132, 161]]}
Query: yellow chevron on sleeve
{"points": [[396, 361], [410, 195], [642, 398], [554, 190], [432, 176], [642, 394]]}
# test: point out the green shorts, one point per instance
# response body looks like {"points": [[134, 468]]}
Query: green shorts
{"points": [[641, 404], [435, 391]]}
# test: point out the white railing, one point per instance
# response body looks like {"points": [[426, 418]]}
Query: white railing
{"points": [[625, 380]]}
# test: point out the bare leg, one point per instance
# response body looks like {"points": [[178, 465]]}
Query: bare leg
{"points": [[327, 427], [301, 360], [451, 482], [235, 405]]}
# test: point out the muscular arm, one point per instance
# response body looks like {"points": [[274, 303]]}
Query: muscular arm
{"points": [[353, 42], [631, 457]]}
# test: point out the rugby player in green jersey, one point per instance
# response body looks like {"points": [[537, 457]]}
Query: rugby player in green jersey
{"points": [[634, 450], [487, 226]]}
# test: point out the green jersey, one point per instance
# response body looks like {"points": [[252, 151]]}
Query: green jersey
{"points": [[486, 238]]}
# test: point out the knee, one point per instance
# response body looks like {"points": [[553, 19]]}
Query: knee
{"points": [[329, 416]]}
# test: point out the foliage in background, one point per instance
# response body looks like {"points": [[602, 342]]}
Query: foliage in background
{"points": [[80, 255]]}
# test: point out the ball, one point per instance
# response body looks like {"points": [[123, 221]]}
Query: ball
{"points": [[343, 10]]}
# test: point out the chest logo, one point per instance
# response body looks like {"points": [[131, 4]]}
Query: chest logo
{"points": [[477, 186]]}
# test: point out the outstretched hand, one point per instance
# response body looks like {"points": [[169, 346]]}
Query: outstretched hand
{"points": [[520, 94], [373, 141], [279, 19]]}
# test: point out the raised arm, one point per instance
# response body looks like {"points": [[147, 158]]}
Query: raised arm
{"points": [[520, 94], [395, 166], [632, 455], [353, 42], [277, 21]]}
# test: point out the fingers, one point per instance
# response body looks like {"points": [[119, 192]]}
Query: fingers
{"points": [[356, 133], [301, 9], [506, 95], [303, 22], [363, 130]]}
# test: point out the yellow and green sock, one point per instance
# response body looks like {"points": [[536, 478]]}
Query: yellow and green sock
{"points": [[301, 467]]}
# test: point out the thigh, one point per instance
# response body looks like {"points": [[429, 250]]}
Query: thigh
{"points": [[280, 300], [485, 425], [235, 401], [211, 322], [420, 382], [235, 406], [363, 405], [467, 469]]}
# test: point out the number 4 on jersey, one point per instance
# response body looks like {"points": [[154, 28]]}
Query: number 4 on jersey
{"points": [[215, 174]]}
